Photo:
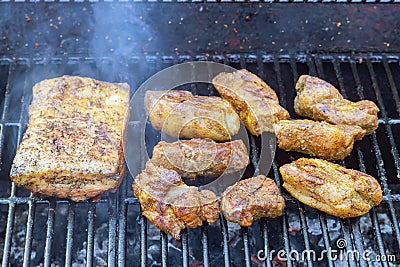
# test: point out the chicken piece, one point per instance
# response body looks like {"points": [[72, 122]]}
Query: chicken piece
{"points": [[330, 187], [255, 102], [201, 157], [251, 199], [180, 114], [170, 204], [73, 151], [319, 100], [320, 139]]}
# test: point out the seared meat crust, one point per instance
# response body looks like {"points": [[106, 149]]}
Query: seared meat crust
{"points": [[82, 98], [170, 204], [251, 199], [72, 147], [320, 139], [319, 100], [201, 157], [330, 187], [255, 102], [180, 114]]}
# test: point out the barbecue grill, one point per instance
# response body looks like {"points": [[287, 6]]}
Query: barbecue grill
{"points": [[355, 47]]}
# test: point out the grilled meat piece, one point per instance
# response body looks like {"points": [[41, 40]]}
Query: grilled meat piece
{"points": [[251, 199], [331, 188], [201, 157], [180, 114], [83, 98], [320, 139], [255, 102], [319, 100], [73, 151], [170, 204]]}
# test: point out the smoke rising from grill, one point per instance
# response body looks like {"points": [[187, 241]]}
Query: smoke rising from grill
{"points": [[118, 32]]}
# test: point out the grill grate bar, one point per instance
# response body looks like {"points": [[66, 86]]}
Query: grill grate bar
{"points": [[49, 233], [281, 87], [346, 234], [245, 236], [264, 232], [358, 240], [293, 67], [372, 213], [356, 77], [164, 249], [185, 250], [336, 65], [320, 68], [225, 238], [28, 236], [10, 78], [90, 235], [143, 241], [112, 230], [204, 241], [286, 238], [9, 230], [311, 66], [378, 235], [122, 210], [376, 89], [70, 233], [392, 84], [304, 228]]}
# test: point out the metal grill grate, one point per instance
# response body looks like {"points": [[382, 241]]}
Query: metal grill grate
{"points": [[111, 232]]}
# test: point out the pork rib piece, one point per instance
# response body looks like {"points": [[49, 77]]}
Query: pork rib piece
{"points": [[170, 204], [256, 103], [251, 199], [201, 157], [330, 187], [321, 101], [320, 139], [72, 147]]}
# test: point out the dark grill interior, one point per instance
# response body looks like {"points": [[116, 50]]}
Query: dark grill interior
{"points": [[53, 232]]}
